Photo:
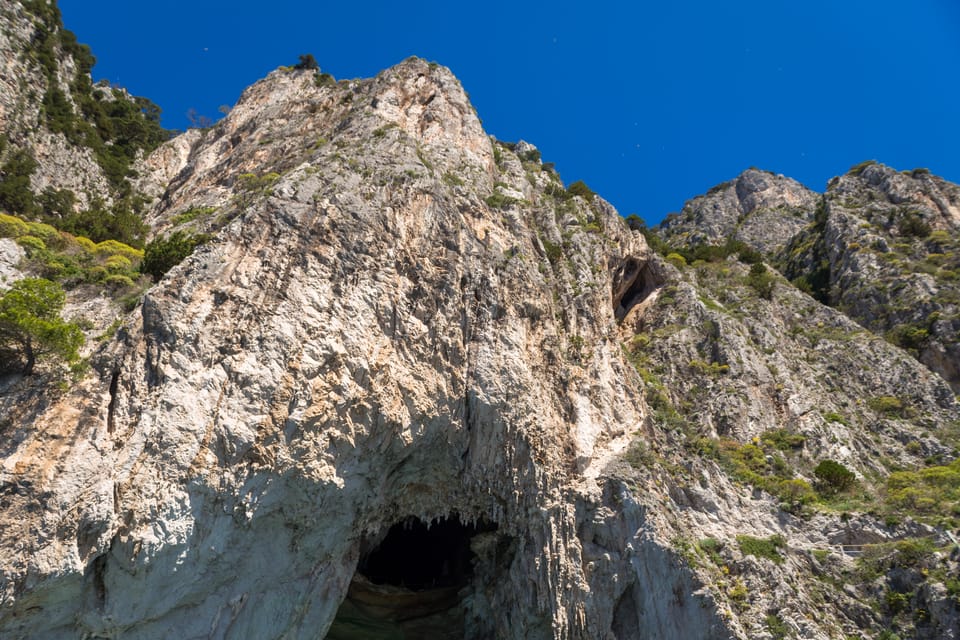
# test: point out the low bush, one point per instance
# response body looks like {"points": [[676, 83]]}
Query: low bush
{"points": [[762, 547], [580, 188], [886, 404], [163, 254], [833, 477], [761, 280]]}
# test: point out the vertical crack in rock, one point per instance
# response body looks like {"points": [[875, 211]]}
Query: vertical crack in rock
{"points": [[97, 581], [112, 405]]}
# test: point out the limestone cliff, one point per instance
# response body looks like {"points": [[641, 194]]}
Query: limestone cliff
{"points": [[772, 379], [885, 249], [414, 387], [397, 319]]}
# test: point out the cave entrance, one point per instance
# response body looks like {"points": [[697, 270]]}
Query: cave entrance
{"points": [[635, 284], [412, 582], [417, 557]]}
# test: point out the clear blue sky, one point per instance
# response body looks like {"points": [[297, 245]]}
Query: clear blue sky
{"points": [[650, 103]]}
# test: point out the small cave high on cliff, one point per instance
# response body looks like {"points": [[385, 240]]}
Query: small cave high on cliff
{"points": [[416, 556], [637, 281]]}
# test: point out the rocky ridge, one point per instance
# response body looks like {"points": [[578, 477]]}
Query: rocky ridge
{"points": [[22, 82], [757, 207], [885, 251]]}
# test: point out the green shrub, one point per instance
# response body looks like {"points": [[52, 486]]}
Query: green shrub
{"points": [[118, 262], [12, 226], [16, 194], [933, 491], [712, 369], [833, 476], [580, 188], [118, 281], [553, 251], [250, 186], [31, 244], [712, 547], [120, 222], [857, 169], [31, 326], [324, 80], [739, 594], [307, 61], [761, 280], [777, 627], [452, 180], [783, 439], [908, 336], [831, 416], [163, 254], [763, 468], [638, 455], [115, 248], [676, 260], [192, 214], [886, 404], [913, 225], [762, 547], [43, 231], [532, 155], [498, 200]]}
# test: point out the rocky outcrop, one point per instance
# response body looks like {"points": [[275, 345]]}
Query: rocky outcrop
{"points": [[744, 369], [759, 208], [10, 256], [23, 83], [885, 249], [66, 144]]}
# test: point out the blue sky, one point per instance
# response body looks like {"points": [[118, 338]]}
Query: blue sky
{"points": [[650, 103]]}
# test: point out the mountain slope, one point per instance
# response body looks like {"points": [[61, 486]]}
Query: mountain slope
{"points": [[886, 251], [395, 319], [67, 147], [413, 385]]}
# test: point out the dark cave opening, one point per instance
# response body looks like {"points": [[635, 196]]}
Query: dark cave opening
{"points": [[640, 281], [412, 583], [416, 556]]}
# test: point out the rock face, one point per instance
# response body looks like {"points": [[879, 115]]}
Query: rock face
{"points": [[879, 245], [757, 207], [886, 250], [22, 85], [744, 368], [413, 387], [379, 335]]}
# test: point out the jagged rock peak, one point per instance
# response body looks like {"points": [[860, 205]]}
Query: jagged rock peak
{"points": [[757, 207], [870, 186], [293, 118], [885, 249]]}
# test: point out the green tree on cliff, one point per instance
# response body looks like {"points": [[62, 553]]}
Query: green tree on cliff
{"points": [[31, 326]]}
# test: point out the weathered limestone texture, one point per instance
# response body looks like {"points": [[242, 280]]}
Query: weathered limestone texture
{"points": [[369, 337]]}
